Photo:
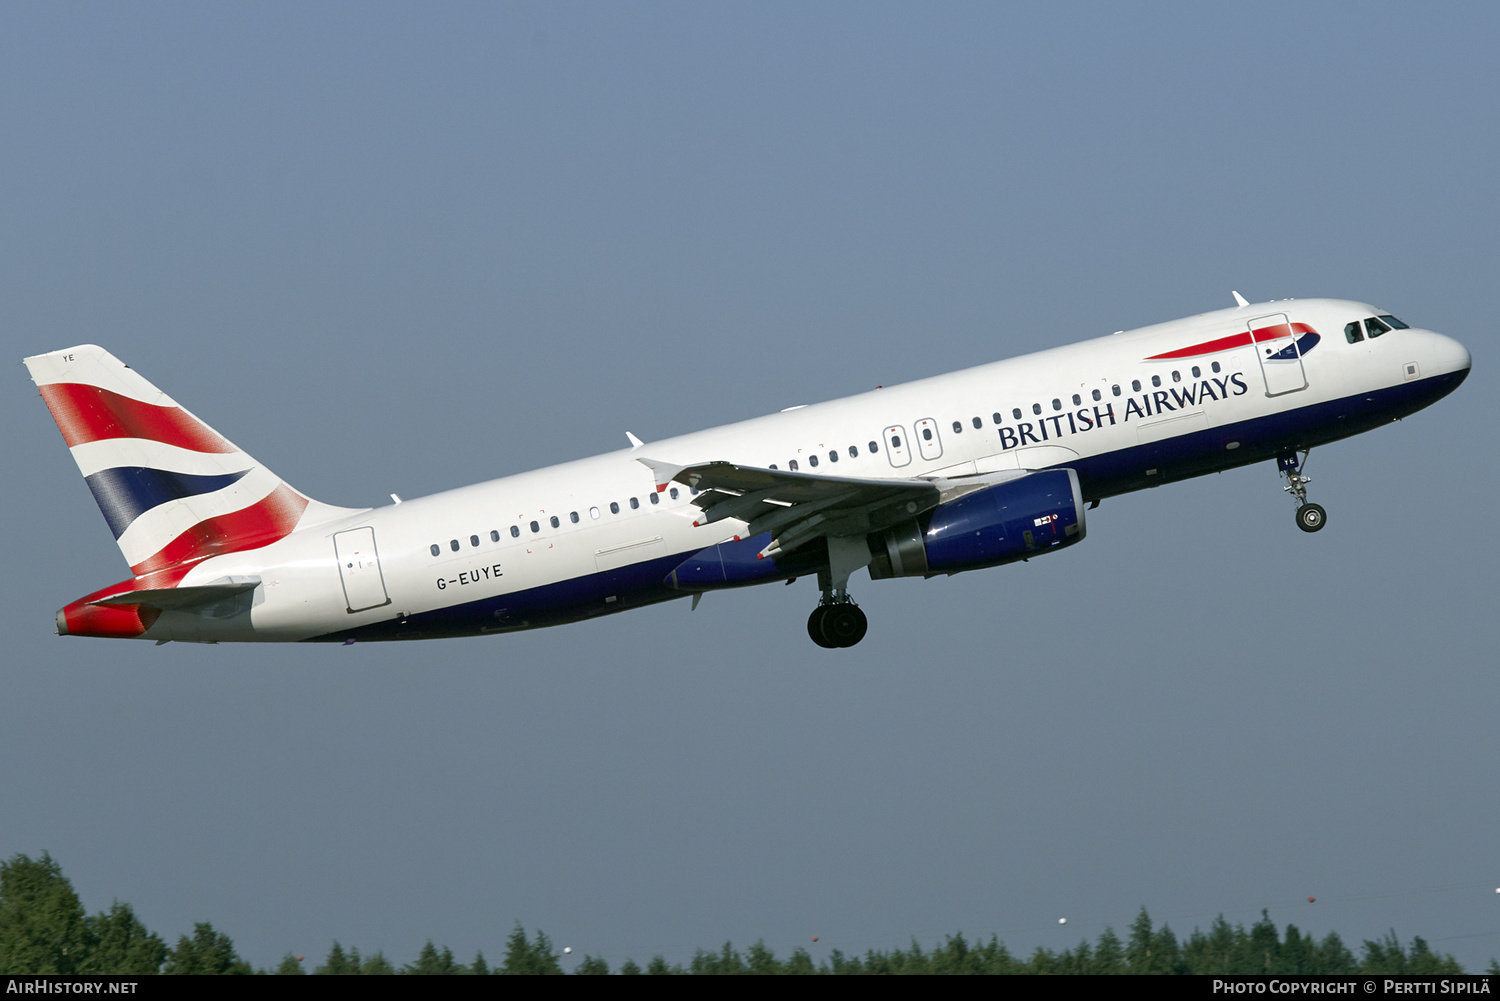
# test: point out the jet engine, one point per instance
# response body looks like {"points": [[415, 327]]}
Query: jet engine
{"points": [[986, 527]]}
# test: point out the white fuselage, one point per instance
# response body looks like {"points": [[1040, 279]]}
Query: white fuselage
{"points": [[598, 521]]}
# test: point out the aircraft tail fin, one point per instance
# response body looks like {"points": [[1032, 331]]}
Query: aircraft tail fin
{"points": [[172, 489]]}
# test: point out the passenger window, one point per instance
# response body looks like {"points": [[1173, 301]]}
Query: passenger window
{"points": [[535, 528], [1352, 333], [1197, 372], [927, 434], [436, 549], [895, 441], [1016, 412], [773, 465], [1176, 376], [634, 504], [494, 535], [593, 513], [654, 498], [833, 455], [1077, 400], [474, 541], [515, 531], [998, 418], [1036, 408], [958, 427], [873, 448], [1375, 328], [1115, 390], [1135, 385], [793, 465], [1056, 403], [1393, 323], [854, 451], [1215, 366], [672, 493], [1156, 380], [979, 423], [573, 517], [1098, 396], [453, 545], [614, 507], [812, 460]]}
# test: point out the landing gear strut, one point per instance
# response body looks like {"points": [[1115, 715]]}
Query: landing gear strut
{"points": [[1310, 517]]}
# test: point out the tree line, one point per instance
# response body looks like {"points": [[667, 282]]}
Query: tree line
{"points": [[44, 930]]}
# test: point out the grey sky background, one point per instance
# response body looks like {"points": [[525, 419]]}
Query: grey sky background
{"points": [[404, 248]]}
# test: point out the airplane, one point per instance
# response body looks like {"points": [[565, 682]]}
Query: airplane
{"points": [[975, 469]]}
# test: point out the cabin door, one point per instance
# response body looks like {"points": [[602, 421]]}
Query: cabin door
{"points": [[359, 567], [1279, 354]]}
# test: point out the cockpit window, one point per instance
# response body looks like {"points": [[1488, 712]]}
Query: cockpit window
{"points": [[1393, 323], [1353, 333], [1375, 328]]}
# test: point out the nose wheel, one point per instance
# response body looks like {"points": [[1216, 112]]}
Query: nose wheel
{"points": [[1310, 517], [837, 624]]}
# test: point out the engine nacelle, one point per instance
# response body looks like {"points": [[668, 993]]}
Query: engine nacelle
{"points": [[1016, 520]]}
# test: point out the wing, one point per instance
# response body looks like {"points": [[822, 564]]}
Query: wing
{"points": [[797, 508]]}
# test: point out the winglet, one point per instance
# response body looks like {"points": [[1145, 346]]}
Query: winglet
{"points": [[1238, 299], [663, 472], [634, 441]]}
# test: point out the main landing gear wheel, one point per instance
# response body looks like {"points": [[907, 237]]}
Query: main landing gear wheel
{"points": [[815, 627], [1311, 517], [837, 625]]}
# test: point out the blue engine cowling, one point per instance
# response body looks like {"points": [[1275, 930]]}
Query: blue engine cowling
{"points": [[1015, 520]]}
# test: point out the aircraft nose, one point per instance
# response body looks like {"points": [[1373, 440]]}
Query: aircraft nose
{"points": [[1450, 355]]}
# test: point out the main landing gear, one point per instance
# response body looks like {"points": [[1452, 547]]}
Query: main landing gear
{"points": [[1310, 517], [837, 622]]}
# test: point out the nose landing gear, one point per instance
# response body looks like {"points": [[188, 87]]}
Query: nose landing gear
{"points": [[1310, 517]]}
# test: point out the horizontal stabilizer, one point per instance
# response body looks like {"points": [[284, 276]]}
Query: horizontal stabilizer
{"points": [[182, 598]]}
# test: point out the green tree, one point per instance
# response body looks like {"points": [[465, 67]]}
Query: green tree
{"points": [[1109, 954], [340, 963], [479, 967], [592, 966], [120, 944], [529, 958], [42, 928], [377, 966], [727, 962], [1387, 956], [430, 962], [290, 966], [207, 952], [630, 969], [762, 960]]}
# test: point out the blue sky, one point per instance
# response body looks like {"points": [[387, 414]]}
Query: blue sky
{"points": [[403, 248]]}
